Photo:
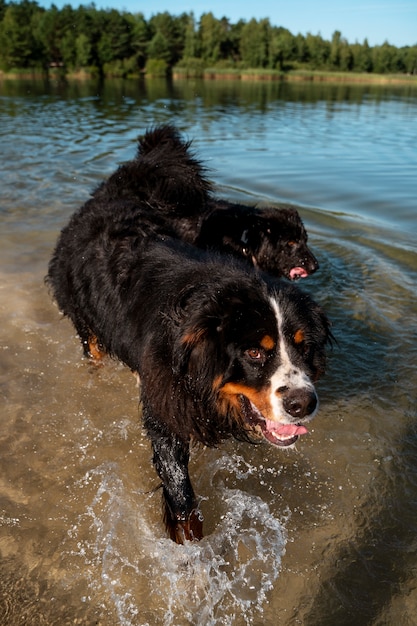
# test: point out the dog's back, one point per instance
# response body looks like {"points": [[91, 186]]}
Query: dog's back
{"points": [[164, 174]]}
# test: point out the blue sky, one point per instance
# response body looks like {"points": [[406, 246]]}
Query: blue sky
{"points": [[376, 20]]}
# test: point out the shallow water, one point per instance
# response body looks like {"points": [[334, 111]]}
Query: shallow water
{"points": [[322, 535]]}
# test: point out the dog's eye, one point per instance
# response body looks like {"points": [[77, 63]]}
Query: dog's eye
{"points": [[255, 354], [300, 342], [246, 251], [304, 349]]}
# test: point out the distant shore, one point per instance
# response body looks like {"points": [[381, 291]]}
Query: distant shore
{"points": [[299, 75], [229, 74]]}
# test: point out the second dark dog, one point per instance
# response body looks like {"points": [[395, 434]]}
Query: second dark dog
{"points": [[169, 193], [273, 240]]}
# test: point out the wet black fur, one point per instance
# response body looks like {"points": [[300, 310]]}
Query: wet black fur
{"points": [[165, 191], [179, 316], [182, 319], [274, 239]]}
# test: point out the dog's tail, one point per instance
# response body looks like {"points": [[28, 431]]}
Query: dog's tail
{"points": [[177, 176], [164, 137], [164, 174]]}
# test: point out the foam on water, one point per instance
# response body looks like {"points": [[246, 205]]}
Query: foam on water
{"points": [[145, 578]]}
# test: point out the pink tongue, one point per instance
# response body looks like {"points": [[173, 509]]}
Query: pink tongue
{"points": [[298, 272], [286, 430]]}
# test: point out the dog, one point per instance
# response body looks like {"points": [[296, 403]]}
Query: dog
{"points": [[221, 350], [173, 196], [273, 240]]}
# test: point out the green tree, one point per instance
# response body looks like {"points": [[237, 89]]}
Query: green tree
{"points": [[18, 44], [302, 52], [362, 57], [158, 48], [90, 24], [254, 43], [410, 59], [282, 49], [49, 31], [318, 51], [383, 58], [121, 42], [115, 41], [83, 51], [140, 38], [191, 42], [68, 27], [232, 46], [69, 49], [335, 50], [346, 57], [172, 31], [212, 37]]}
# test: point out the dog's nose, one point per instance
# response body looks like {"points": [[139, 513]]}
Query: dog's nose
{"points": [[311, 264], [300, 403]]}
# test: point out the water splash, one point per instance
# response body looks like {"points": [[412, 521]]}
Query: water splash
{"points": [[145, 578]]}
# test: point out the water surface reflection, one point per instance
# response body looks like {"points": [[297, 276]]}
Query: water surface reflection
{"points": [[324, 535]]}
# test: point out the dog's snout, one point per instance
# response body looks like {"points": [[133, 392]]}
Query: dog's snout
{"points": [[311, 263], [300, 403]]}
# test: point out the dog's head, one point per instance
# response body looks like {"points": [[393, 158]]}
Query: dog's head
{"points": [[251, 356], [278, 239]]}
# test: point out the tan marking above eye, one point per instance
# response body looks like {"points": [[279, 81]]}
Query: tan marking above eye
{"points": [[299, 336], [267, 342]]}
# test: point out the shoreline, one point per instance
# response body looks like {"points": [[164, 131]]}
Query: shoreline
{"points": [[228, 74], [298, 76]]}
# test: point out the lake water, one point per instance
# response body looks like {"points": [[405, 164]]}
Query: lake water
{"points": [[323, 535]]}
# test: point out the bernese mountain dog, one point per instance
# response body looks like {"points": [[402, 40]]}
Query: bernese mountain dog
{"points": [[220, 349], [169, 189]]}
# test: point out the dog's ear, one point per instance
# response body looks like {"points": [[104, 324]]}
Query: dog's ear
{"points": [[323, 337], [299, 307], [201, 326], [188, 350], [196, 355], [199, 337], [196, 321]]}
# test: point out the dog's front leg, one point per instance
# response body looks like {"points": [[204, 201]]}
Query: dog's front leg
{"points": [[182, 517]]}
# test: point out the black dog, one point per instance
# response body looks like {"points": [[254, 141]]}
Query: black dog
{"points": [[273, 240], [220, 351], [171, 195]]}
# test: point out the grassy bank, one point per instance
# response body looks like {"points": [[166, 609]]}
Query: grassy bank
{"points": [[296, 75], [216, 73]]}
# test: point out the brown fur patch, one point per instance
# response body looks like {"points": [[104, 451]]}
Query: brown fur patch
{"points": [[299, 336], [193, 337], [95, 350], [267, 342], [231, 392]]}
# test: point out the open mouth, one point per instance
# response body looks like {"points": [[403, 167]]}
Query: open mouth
{"points": [[277, 433], [298, 272]]}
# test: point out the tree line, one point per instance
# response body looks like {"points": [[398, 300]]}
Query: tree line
{"points": [[121, 43]]}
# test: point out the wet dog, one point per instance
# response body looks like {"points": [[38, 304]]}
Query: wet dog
{"points": [[220, 350], [169, 193], [272, 239]]}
